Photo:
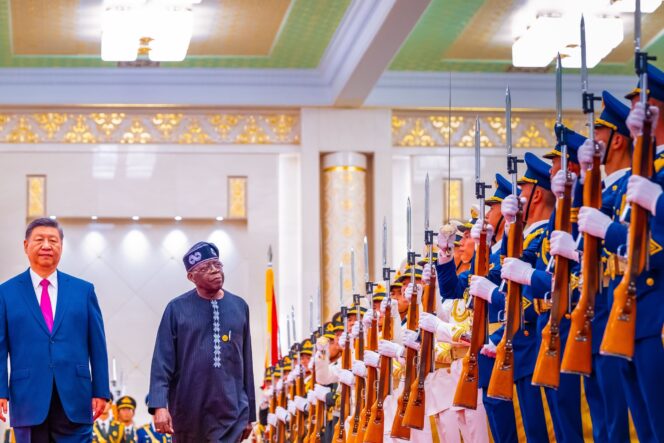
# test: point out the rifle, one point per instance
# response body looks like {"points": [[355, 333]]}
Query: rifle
{"points": [[340, 428], [281, 401], [547, 367], [578, 348], [621, 327], [359, 381], [415, 414], [375, 430], [501, 385], [372, 345], [466, 391], [399, 429], [272, 430], [312, 429]]}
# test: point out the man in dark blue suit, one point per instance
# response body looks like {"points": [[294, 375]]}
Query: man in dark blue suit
{"points": [[52, 329]]}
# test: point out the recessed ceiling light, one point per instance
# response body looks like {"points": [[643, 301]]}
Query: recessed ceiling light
{"points": [[219, 218], [94, 217], [135, 218], [52, 217], [177, 218]]}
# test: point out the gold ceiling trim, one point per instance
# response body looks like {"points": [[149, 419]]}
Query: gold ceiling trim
{"points": [[163, 126], [532, 129]]}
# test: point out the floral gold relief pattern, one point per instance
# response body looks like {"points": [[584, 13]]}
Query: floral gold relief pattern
{"points": [[132, 126], [531, 129]]}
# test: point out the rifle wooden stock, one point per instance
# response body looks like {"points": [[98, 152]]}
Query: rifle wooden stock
{"points": [[376, 427], [547, 366], [466, 392], [299, 430], [399, 429], [340, 428], [621, 327], [578, 349], [360, 392], [272, 430], [415, 411], [313, 409], [501, 385], [281, 426], [372, 378]]}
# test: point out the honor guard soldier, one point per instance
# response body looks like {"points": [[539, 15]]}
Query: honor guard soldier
{"points": [[106, 428], [538, 203], [148, 433], [608, 406], [126, 407]]}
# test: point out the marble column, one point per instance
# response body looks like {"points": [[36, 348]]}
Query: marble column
{"points": [[344, 225]]}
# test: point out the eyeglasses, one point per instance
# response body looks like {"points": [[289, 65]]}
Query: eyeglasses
{"points": [[211, 266]]}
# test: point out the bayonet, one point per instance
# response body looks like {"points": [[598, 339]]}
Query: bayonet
{"points": [[292, 308], [341, 284], [269, 256], [311, 313], [352, 269]]}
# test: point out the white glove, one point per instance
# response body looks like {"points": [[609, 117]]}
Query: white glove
{"points": [[321, 392], [394, 307], [272, 420], [359, 368], [516, 270], [301, 402], [280, 385], [367, 319], [410, 339], [269, 392], [428, 322], [290, 377], [481, 287], [586, 153], [476, 230], [509, 207], [426, 274], [342, 339], [445, 242], [291, 407], [558, 183], [297, 371], [372, 359], [643, 192], [355, 330], [489, 350], [311, 397], [409, 292], [593, 221], [636, 117], [390, 349], [282, 414], [346, 377], [310, 366], [322, 344], [562, 243]]}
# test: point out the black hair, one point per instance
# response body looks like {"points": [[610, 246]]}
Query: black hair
{"points": [[43, 221]]}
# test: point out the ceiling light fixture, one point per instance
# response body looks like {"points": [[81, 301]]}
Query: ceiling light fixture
{"points": [[538, 46], [52, 217], [135, 218], [158, 29], [177, 218], [219, 218], [94, 217]]}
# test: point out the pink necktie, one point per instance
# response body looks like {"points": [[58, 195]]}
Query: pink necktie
{"points": [[45, 304]]}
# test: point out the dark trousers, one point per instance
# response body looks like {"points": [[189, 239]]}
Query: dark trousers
{"points": [[56, 428]]}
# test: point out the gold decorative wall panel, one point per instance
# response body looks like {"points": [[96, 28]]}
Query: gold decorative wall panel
{"points": [[129, 126], [454, 189], [237, 198], [343, 226], [36, 185], [432, 128]]}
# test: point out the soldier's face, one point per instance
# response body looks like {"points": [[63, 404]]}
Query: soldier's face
{"points": [[208, 276], [305, 359], [125, 415], [602, 134], [493, 216]]}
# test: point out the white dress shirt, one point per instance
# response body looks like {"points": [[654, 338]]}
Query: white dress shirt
{"points": [[52, 288]]}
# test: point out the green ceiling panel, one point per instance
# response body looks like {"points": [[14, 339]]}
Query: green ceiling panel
{"points": [[300, 45]]}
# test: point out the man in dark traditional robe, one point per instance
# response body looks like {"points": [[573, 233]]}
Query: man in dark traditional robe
{"points": [[201, 383]]}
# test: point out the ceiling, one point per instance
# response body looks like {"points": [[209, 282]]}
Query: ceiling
{"points": [[398, 53]]}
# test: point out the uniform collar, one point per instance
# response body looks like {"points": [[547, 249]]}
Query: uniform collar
{"points": [[614, 177], [496, 247], [530, 229], [659, 149], [36, 279]]}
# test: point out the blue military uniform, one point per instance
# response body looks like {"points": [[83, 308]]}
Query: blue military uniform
{"points": [[564, 402], [608, 407], [641, 376], [499, 412], [148, 434]]}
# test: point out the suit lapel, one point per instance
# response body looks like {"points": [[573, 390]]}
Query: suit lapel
{"points": [[30, 299], [63, 287]]}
